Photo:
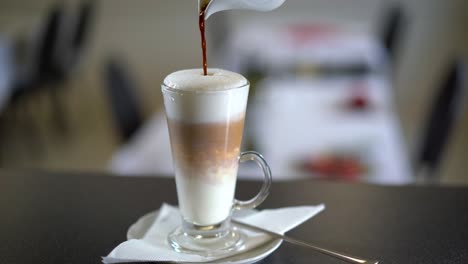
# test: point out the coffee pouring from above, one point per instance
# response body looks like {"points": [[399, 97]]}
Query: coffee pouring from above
{"points": [[208, 7], [214, 6]]}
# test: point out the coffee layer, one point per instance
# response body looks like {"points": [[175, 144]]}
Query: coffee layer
{"points": [[210, 149]]}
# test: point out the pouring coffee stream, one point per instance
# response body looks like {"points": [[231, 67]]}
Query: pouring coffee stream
{"points": [[208, 7], [203, 4]]}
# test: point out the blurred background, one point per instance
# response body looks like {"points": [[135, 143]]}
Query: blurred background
{"points": [[361, 90]]}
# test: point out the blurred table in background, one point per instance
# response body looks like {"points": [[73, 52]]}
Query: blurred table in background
{"points": [[320, 105], [297, 122]]}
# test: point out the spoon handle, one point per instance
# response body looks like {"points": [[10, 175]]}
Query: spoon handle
{"points": [[334, 254]]}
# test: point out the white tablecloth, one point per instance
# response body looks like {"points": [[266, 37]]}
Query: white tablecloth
{"points": [[300, 118]]}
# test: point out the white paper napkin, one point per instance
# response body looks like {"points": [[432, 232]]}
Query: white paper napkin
{"points": [[153, 246]]}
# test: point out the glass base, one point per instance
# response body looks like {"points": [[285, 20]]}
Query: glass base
{"points": [[209, 241]]}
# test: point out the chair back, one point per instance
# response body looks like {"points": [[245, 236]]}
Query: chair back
{"points": [[125, 107], [393, 25], [442, 117]]}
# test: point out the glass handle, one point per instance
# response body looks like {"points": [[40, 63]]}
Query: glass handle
{"points": [[265, 190]]}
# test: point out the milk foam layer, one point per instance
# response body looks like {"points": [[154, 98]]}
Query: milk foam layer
{"points": [[218, 97], [194, 80]]}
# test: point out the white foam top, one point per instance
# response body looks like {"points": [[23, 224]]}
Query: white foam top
{"points": [[224, 103], [194, 80]]}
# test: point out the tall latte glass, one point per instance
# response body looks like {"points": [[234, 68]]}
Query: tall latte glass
{"points": [[205, 115]]}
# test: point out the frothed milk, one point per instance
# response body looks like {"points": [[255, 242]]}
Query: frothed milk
{"points": [[206, 119]]}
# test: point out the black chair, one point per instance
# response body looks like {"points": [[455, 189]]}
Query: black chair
{"points": [[392, 28], [443, 115], [46, 61], [51, 73], [83, 26], [36, 60], [77, 37], [66, 59], [123, 100], [40, 56]]}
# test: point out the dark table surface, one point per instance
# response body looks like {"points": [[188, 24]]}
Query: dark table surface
{"points": [[79, 217]]}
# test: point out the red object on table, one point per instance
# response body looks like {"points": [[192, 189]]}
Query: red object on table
{"points": [[336, 167], [304, 33], [359, 99]]}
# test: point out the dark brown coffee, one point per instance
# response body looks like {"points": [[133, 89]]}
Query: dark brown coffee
{"points": [[201, 25]]}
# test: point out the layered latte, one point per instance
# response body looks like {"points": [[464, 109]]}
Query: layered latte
{"points": [[206, 120]]}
